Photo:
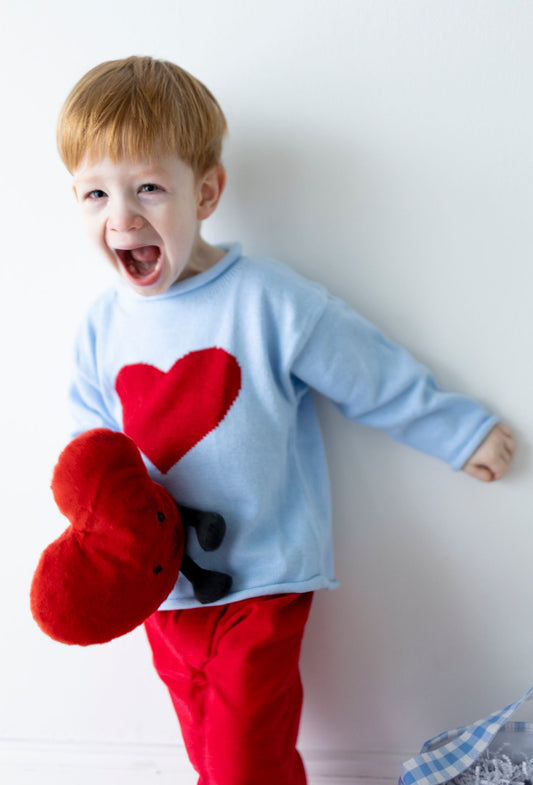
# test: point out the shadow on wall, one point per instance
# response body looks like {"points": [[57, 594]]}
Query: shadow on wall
{"points": [[375, 658], [298, 198], [380, 653], [404, 649]]}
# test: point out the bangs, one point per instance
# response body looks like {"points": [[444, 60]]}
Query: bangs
{"points": [[114, 139]]}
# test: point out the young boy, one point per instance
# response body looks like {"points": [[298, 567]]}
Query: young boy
{"points": [[206, 359]]}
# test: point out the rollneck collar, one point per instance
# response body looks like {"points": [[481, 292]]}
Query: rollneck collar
{"points": [[233, 253]]}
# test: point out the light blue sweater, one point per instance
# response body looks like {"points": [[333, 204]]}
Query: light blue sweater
{"points": [[213, 379]]}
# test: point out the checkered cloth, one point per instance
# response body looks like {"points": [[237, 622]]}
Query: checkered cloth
{"points": [[452, 752]]}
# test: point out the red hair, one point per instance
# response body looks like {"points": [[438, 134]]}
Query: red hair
{"points": [[141, 107]]}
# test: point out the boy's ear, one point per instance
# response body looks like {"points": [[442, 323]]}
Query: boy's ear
{"points": [[210, 188]]}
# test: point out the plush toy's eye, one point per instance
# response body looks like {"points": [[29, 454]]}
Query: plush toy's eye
{"points": [[157, 569], [161, 516]]}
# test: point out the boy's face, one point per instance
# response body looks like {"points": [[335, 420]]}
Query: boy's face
{"points": [[145, 217]]}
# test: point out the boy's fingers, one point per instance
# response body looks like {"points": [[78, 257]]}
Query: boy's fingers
{"points": [[508, 452], [490, 470], [482, 473], [492, 458]]}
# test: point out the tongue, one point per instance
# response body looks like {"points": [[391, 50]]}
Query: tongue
{"points": [[147, 254]]}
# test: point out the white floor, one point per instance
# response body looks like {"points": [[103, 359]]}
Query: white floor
{"points": [[37, 763]]}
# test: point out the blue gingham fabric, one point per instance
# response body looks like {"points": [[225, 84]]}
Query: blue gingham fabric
{"points": [[452, 752]]}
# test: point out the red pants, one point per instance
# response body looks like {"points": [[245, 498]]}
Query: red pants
{"points": [[233, 676]]}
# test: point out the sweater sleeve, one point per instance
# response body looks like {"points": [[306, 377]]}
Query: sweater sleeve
{"points": [[377, 383], [87, 404]]}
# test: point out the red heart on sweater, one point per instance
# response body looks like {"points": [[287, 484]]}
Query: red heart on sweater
{"points": [[166, 414]]}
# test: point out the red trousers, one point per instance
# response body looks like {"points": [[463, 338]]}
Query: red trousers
{"points": [[233, 676]]}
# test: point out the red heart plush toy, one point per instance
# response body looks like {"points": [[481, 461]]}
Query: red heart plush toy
{"points": [[120, 557]]}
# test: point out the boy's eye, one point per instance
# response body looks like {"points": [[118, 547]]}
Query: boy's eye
{"points": [[96, 194], [149, 187]]}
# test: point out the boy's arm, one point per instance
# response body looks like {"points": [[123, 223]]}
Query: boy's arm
{"points": [[493, 457], [377, 383]]}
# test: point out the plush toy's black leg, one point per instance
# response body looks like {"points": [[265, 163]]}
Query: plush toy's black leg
{"points": [[210, 526], [208, 585]]}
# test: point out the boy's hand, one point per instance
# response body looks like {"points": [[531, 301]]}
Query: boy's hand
{"points": [[493, 457]]}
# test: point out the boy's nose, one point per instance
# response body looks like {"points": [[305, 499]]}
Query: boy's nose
{"points": [[124, 219]]}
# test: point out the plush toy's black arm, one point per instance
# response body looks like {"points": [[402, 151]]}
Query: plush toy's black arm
{"points": [[210, 526], [208, 585]]}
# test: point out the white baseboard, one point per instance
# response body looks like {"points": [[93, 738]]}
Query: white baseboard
{"points": [[51, 763]]}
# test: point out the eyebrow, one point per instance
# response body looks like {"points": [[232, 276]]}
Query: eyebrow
{"points": [[154, 173], [150, 174]]}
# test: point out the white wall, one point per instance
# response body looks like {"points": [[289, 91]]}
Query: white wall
{"points": [[383, 147]]}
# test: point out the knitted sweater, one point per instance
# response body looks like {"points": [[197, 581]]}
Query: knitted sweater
{"points": [[213, 381]]}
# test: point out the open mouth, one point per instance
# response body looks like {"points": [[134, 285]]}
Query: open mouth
{"points": [[141, 264]]}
